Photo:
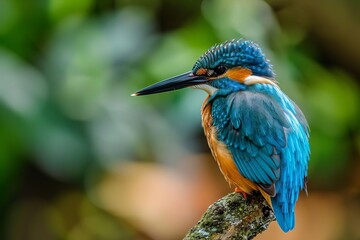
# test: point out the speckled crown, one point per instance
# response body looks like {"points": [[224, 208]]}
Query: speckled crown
{"points": [[243, 53]]}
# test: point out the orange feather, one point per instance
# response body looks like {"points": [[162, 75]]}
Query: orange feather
{"points": [[238, 74], [224, 158]]}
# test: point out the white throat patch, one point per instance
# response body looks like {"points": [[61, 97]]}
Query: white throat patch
{"points": [[207, 88]]}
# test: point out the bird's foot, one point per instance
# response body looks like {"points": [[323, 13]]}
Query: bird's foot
{"points": [[238, 190]]}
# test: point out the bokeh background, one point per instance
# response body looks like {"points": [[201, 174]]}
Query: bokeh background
{"points": [[82, 160]]}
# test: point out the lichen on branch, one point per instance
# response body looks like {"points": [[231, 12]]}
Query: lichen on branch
{"points": [[233, 217]]}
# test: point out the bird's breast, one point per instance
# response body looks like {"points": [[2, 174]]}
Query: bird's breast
{"points": [[222, 154]]}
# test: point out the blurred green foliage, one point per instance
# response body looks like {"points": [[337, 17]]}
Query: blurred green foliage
{"points": [[67, 69]]}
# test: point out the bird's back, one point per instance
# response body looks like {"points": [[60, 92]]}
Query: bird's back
{"points": [[259, 139]]}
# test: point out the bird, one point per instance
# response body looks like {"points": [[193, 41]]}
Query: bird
{"points": [[258, 136]]}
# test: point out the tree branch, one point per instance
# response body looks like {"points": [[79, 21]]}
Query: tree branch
{"points": [[233, 217]]}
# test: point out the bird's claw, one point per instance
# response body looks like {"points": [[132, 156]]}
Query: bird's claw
{"points": [[238, 190]]}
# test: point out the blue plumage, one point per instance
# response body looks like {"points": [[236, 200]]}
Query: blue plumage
{"points": [[249, 122], [236, 53], [258, 136], [256, 120], [264, 130]]}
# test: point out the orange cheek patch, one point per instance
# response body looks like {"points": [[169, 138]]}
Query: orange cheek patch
{"points": [[238, 74], [201, 72]]}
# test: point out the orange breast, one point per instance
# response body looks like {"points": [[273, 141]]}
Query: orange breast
{"points": [[224, 157]]}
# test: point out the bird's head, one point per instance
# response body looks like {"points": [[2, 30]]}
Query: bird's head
{"points": [[232, 65]]}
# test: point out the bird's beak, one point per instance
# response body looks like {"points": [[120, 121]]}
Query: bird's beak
{"points": [[187, 79]]}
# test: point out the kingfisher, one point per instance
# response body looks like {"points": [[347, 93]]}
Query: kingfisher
{"points": [[258, 136]]}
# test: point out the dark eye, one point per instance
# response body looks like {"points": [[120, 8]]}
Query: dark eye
{"points": [[217, 71], [221, 69]]}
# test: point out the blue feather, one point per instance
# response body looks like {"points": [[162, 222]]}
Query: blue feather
{"points": [[266, 133], [267, 136], [264, 130], [244, 117], [236, 53]]}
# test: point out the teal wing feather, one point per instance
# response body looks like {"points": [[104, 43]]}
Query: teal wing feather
{"points": [[267, 135], [253, 126]]}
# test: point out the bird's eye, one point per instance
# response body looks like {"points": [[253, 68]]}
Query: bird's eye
{"points": [[217, 71], [221, 69]]}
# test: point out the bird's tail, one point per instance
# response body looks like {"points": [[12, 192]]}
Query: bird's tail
{"points": [[284, 213]]}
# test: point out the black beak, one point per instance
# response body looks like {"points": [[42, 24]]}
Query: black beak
{"points": [[181, 81]]}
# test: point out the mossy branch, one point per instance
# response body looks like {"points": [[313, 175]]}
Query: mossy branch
{"points": [[233, 217]]}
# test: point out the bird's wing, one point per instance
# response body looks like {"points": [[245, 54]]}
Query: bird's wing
{"points": [[253, 126]]}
